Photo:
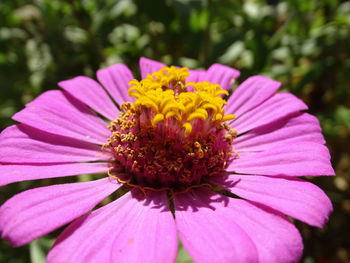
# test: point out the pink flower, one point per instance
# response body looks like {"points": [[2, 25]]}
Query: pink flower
{"points": [[221, 176]]}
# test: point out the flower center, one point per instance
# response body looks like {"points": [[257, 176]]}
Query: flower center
{"points": [[174, 135]]}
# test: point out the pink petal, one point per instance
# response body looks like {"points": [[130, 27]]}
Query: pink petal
{"points": [[292, 159], [92, 94], [127, 230], [196, 75], [293, 197], [59, 113], [148, 66], [22, 144], [16, 173], [116, 80], [279, 106], [39, 211], [208, 231], [251, 93], [275, 237], [221, 74], [301, 128]]}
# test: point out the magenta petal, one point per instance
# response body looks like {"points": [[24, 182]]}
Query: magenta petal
{"points": [[301, 128], [148, 66], [275, 237], [221, 74], [293, 197], [196, 75], [16, 173], [22, 144], [127, 230], [59, 113], [280, 106], [251, 93], [116, 80], [295, 159], [208, 230], [92, 94], [38, 211]]}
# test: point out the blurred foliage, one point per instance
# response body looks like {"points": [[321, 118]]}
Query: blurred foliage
{"points": [[304, 44]]}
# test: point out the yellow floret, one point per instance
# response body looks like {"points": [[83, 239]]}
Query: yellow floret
{"points": [[159, 117], [188, 128], [168, 95]]}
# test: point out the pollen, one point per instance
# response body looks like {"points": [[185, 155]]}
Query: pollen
{"points": [[174, 135]]}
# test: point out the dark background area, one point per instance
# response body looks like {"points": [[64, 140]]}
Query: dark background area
{"points": [[304, 44]]}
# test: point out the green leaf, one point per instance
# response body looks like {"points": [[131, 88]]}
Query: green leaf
{"points": [[182, 256], [38, 250]]}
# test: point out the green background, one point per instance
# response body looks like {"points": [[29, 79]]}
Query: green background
{"points": [[304, 44]]}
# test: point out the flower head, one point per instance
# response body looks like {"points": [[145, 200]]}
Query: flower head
{"points": [[219, 172], [174, 136]]}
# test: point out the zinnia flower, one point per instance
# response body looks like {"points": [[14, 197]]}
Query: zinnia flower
{"points": [[220, 174]]}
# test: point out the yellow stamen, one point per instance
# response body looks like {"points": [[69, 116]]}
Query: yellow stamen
{"points": [[228, 117], [168, 95], [188, 128], [158, 118]]}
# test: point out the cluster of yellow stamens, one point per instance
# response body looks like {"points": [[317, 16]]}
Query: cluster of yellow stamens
{"points": [[168, 95]]}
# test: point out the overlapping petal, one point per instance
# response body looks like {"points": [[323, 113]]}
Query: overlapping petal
{"points": [[208, 230], [21, 144], [275, 237], [116, 80], [276, 108], [202, 214], [133, 228], [294, 159], [302, 127], [294, 197], [250, 94], [220, 74], [59, 113], [38, 211], [11, 173], [92, 94]]}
